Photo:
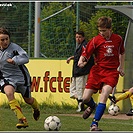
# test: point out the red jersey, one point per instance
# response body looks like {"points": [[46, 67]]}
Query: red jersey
{"points": [[106, 51]]}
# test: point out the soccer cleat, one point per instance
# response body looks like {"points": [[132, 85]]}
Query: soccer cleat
{"points": [[80, 107], [94, 127], [130, 112], [112, 99], [22, 123], [88, 111], [36, 114]]}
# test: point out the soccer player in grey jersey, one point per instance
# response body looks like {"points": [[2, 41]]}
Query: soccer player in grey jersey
{"points": [[14, 77]]}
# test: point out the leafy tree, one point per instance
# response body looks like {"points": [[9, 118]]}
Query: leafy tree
{"points": [[57, 33], [15, 18], [119, 22]]}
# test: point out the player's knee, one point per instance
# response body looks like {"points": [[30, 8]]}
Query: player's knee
{"points": [[28, 100], [131, 90], [9, 91], [85, 101]]}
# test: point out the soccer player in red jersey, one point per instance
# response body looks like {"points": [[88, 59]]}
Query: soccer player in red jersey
{"points": [[108, 49]]}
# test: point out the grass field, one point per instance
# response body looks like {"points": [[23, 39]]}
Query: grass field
{"points": [[70, 120]]}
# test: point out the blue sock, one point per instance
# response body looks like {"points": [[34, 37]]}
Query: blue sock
{"points": [[91, 103], [99, 112]]}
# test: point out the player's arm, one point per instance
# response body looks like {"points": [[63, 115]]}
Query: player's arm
{"points": [[121, 67], [122, 58], [20, 57], [69, 59], [82, 61], [10, 61], [86, 54]]}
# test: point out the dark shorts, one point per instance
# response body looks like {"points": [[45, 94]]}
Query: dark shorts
{"points": [[24, 90]]}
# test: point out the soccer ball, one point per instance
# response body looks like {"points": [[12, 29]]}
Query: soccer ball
{"points": [[52, 123], [114, 110]]}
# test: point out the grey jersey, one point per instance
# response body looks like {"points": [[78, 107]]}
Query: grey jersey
{"points": [[17, 74]]}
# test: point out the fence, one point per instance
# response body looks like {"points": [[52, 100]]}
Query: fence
{"points": [[57, 38], [57, 33]]}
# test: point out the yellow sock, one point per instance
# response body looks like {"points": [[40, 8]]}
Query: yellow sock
{"points": [[35, 104], [14, 105], [123, 96], [131, 99]]}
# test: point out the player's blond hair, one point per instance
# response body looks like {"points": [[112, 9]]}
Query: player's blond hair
{"points": [[104, 22]]}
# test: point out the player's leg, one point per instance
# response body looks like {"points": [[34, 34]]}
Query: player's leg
{"points": [[106, 90], [130, 112], [34, 104], [88, 100], [87, 94], [123, 96], [26, 94], [14, 105]]}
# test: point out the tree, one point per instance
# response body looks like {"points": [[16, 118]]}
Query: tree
{"points": [[57, 34], [119, 23], [15, 18]]}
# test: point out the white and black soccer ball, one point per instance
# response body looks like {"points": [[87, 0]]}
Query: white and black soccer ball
{"points": [[52, 123], [114, 110]]}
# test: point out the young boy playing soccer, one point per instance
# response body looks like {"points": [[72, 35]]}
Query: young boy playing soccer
{"points": [[108, 50], [14, 77]]}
